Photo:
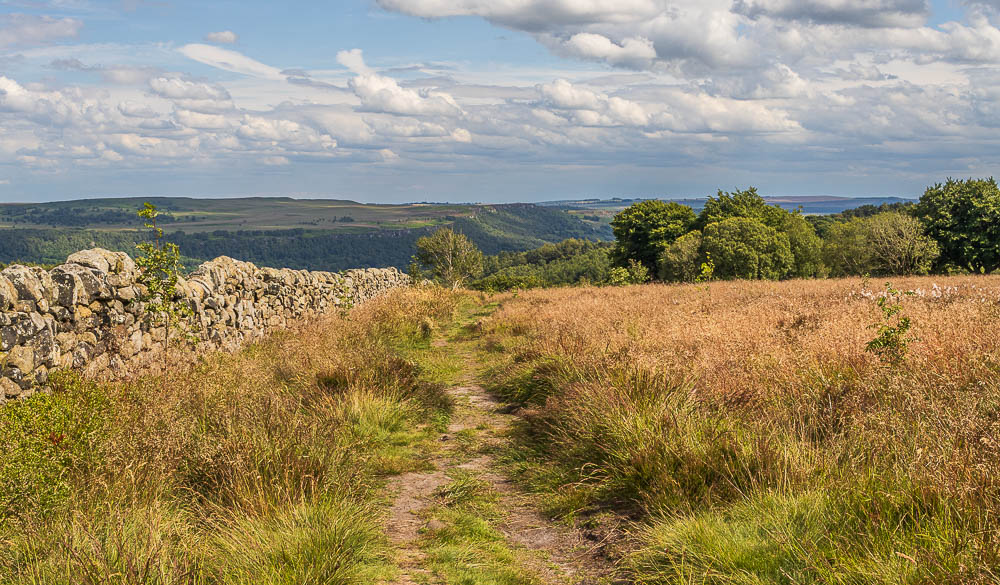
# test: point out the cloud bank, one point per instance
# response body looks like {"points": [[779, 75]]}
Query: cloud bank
{"points": [[661, 89]]}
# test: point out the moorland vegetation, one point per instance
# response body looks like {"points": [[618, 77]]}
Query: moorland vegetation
{"points": [[750, 432], [266, 466]]}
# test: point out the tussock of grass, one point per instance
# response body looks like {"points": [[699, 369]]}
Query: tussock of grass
{"points": [[751, 436], [465, 547], [321, 542], [260, 467]]}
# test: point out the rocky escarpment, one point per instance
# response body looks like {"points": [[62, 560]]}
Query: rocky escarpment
{"points": [[85, 314]]}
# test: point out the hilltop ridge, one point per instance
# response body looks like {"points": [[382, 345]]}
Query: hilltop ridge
{"points": [[304, 234]]}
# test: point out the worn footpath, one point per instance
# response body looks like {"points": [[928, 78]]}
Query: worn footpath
{"points": [[461, 520]]}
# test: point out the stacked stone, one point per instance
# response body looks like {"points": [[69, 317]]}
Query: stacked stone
{"points": [[85, 314]]}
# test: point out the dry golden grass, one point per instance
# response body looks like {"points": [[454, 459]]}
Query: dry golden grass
{"points": [[696, 403], [259, 467]]}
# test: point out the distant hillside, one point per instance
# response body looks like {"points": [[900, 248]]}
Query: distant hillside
{"points": [[379, 236], [602, 210], [245, 213]]}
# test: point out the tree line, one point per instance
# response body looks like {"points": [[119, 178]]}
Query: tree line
{"points": [[953, 228]]}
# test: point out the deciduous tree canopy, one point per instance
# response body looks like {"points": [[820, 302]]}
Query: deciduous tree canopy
{"points": [[964, 218], [645, 229], [450, 257], [746, 248]]}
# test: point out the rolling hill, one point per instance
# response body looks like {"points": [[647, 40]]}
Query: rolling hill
{"points": [[293, 233]]}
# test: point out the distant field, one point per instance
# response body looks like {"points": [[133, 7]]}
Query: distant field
{"points": [[249, 213], [281, 232]]}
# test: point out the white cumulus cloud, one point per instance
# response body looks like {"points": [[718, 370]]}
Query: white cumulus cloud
{"points": [[382, 94], [29, 29]]}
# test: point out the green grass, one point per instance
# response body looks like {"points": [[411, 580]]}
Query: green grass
{"points": [[465, 547], [809, 537], [322, 542], [724, 504]]}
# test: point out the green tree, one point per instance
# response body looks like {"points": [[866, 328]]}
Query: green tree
{"points": [[883, 244], [846, 251], [680, 262], [565, 263], [636, 273], [748, 204], [893, 340], [822, 224], [160, 267], [746, 248], [964, 218], [645, 229], [898, 245], [806, 246], [451, 258]]}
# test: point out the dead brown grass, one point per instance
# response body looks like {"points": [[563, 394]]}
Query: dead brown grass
{"points": [[692, 399]]}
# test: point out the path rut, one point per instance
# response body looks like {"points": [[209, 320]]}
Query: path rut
{"points": [[553, 553]]}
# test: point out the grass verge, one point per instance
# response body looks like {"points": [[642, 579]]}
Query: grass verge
{"points": [[260, 467]]}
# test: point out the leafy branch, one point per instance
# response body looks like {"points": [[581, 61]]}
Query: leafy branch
{"points": [[892, 342], [160, 267]]}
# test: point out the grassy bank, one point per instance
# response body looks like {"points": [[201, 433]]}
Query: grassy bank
{"points": [[750, 436], [260, 467]]}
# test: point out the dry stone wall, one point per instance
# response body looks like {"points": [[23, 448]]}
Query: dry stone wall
{"points": [[85, 314]]}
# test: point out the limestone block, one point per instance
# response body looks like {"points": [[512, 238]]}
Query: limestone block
{"points": [[76, 284], [8, 294], [25, 282], [41, 375], [8, 338], [135, 343], [46, 352], [21, 357], [105, 261], [198, 288], [66, 341], [8, 389], [83, 354]]}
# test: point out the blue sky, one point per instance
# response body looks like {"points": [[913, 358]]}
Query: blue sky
{"points": [[494, 100]]}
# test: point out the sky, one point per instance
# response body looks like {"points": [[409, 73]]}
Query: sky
{"points": [[495, 100]]}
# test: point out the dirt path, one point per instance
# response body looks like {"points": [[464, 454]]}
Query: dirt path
{"points": [[543, 552]]}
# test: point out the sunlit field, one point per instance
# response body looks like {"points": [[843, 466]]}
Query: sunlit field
{"points": [[260, 467], [748, 435]]}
